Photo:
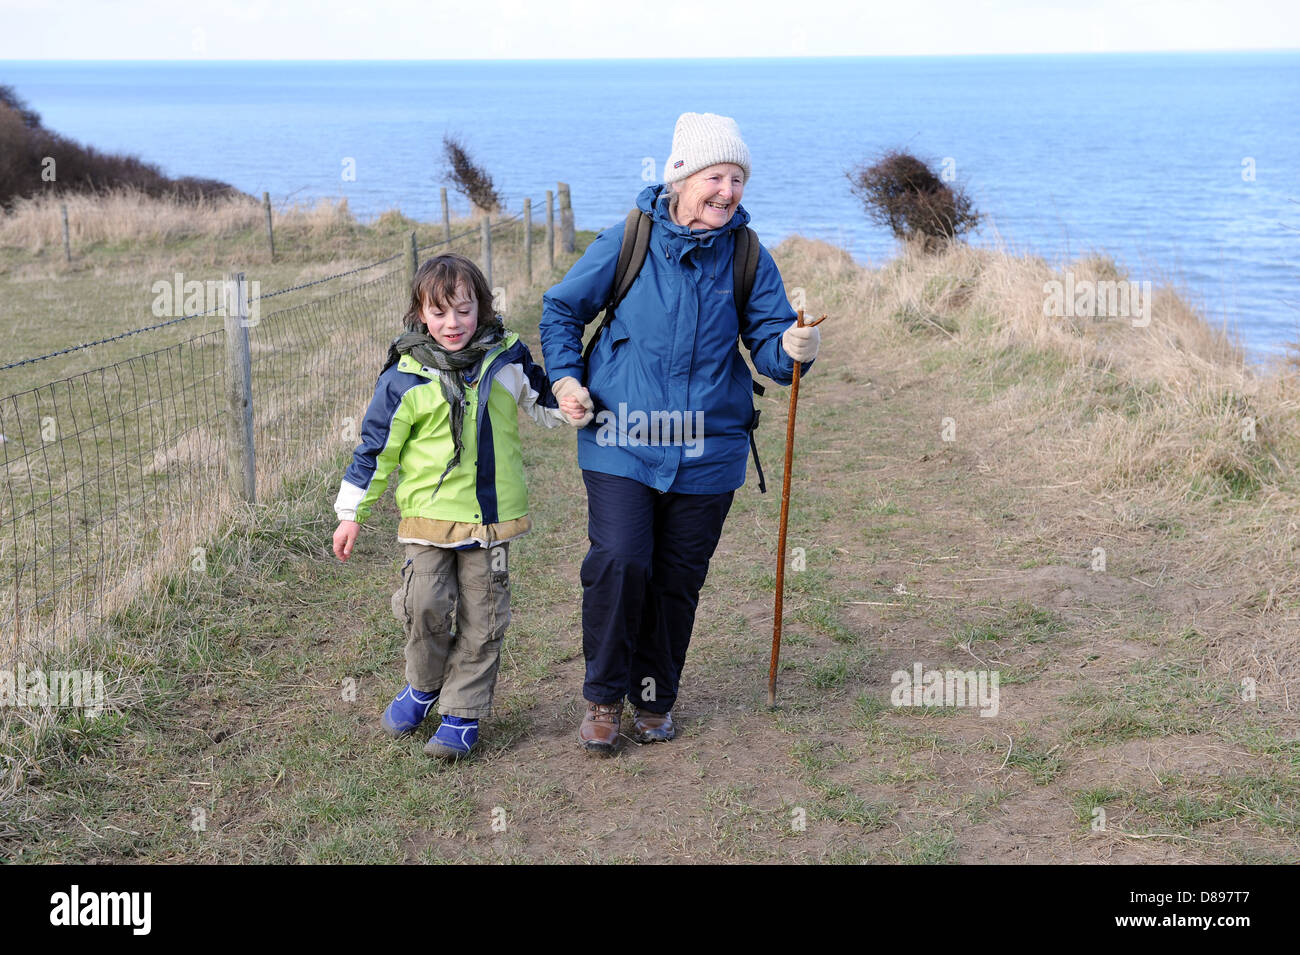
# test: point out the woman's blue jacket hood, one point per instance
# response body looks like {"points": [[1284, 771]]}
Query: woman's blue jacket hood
{"points": [[673, 395]]}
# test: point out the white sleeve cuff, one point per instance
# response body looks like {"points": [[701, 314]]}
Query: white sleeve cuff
{"points": [[345, 505]]}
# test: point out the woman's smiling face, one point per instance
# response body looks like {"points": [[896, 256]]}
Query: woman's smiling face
{"points": [[708, 199]]}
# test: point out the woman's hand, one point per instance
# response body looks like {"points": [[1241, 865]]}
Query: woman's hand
{"points": [[575, 401], [344, 538], [801, 342], [572, 406]]}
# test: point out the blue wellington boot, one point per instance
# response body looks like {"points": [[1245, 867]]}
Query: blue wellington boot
{"points": [[454, 738], [407, 711]]}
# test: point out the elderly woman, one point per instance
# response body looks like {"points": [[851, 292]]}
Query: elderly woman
{"points": [[665, 442]]}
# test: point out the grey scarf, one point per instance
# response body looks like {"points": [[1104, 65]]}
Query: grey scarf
{"points": [[451, 367]]}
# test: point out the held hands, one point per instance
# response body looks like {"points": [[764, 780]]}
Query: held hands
{"points": [[575, 401], [801, 343], [344, 538]]}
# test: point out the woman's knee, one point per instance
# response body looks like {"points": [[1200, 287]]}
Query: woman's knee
{"points": [[622, 564]]}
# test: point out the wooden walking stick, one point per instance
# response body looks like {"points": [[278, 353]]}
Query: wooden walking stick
{"points": [[785, 514]]}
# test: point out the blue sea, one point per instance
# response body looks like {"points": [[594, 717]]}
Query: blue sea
{"points": [[1184, 167]]}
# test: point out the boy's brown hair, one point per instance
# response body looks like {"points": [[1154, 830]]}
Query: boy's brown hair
{"points": [[436, 281]]}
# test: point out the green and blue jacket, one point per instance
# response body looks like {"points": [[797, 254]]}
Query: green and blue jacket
{"points": [[483, 500]]}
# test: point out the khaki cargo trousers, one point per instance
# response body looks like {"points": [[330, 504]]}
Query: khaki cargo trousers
{"points": [[455, 606]]}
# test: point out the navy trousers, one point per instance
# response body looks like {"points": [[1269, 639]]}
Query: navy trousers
{"points": [[641, 583]]}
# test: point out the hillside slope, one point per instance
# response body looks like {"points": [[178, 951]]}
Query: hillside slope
{"points": [[962, 461]]}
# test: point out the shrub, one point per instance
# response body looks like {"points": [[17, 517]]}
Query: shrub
{"points": [[469, 178], [903, 193], [25, 145]]}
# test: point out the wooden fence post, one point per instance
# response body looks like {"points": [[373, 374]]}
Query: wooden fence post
{"points": [[67, 236], [446, 219], [486, 250], [412, 260], [566, 218], [270, 236], [528, 240], [240, 454], [550, 230]]}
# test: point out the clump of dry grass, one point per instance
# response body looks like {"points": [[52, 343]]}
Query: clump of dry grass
{"points": [[130, 215], [903, 193], [471, 179]]}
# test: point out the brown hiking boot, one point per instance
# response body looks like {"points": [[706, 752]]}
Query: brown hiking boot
{"points": [[653, 727], [599, 730]]}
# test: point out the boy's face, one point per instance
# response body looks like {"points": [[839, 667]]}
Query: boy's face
{"points": [[452, 324]]}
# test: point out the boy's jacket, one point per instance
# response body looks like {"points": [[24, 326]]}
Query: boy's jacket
{"points": [[407, 427]]}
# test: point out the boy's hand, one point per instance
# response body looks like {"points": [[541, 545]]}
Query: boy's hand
{"points": [[575, 401], [574, 408], [344, 538]]}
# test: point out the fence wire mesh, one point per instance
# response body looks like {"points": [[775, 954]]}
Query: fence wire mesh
{"points": [[100, 469], [114, 477], [314, 367]]}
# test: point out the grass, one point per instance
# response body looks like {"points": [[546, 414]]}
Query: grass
{"points": [[1022, 624], [247, 684], [1043, 763], [1186, 805], [927, 847], [1156, 699]]}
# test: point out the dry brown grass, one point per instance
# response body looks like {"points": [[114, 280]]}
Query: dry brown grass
{"points": [[1132, 404], [128, 215]]}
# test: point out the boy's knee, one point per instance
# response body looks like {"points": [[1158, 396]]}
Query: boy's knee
{"points": [[432, 603], [427, 599]]}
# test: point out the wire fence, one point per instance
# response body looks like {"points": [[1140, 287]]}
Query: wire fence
{"points": [[114, 477], [97, 465]]}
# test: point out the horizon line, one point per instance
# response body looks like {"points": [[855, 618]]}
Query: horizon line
{"points": [[663, 59]]}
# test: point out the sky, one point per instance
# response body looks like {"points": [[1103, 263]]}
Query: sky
{"points": [[583, 29]]}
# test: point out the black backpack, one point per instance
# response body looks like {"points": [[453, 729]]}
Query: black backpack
{"points": [[631, 256]]}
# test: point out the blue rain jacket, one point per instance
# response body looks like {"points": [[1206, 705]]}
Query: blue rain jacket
{"points": [[672, 393]]}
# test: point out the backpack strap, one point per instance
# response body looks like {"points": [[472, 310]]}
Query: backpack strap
{"points": [[753, 445], [744, 266], [631, 256]]}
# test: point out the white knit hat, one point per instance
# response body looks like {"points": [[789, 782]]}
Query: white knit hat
{"points": [[704, 139]]}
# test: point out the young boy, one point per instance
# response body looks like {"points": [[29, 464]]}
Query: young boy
{"points": [[444, 412]]}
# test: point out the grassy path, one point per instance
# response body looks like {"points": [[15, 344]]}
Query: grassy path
{"points": [[245, 743]]}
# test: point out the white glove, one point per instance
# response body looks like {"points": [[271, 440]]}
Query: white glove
{"points": [[571, 387], [801, 344]]}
